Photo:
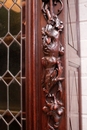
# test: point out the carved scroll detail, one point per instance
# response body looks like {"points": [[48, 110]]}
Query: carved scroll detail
{"points": [[53, 70]]}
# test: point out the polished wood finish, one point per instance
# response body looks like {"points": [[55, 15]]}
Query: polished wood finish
{"points": [[35, 99], [33, 65], [52, 77]]}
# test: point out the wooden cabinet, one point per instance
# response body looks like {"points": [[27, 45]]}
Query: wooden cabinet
{"points": [[41, 102], [40, 85]]}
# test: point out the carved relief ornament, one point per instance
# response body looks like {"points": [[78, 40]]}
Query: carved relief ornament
{"points": [[52, 65]]}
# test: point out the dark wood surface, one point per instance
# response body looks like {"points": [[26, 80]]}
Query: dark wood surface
{"points": [[35, 99]]}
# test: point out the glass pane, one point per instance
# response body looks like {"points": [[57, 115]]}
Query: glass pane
{"points": [[7, 116], [14, 58], [14, 96], [12, 65], [3, 58], [15, 20], [3, 21], [14, 126], [3, 96], [8, 39], [7, 77], [3, 125]]}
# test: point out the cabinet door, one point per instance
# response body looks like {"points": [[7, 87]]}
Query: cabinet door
{"points": [[12, 65]]}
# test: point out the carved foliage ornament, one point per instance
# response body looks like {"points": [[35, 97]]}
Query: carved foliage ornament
{"points": [[52, 65]]}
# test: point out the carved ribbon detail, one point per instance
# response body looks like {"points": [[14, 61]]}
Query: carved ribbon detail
{"points": [[53, 70]]}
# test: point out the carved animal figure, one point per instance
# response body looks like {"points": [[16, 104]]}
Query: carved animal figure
{"points": [[51, 61], [52, 49]]}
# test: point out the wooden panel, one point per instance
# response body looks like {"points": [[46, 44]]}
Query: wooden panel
{"points": [[72, 63], [73, 99]]}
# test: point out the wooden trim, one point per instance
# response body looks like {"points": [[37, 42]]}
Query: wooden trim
{"points": [[33, 65]]}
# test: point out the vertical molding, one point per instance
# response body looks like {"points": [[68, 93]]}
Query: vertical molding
{"points": [[32, 69]]}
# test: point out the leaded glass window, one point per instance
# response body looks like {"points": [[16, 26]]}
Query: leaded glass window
{"points": [[12, 64]]}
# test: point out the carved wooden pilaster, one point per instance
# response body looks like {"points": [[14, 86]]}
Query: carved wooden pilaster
{"points": [[53, 51]]}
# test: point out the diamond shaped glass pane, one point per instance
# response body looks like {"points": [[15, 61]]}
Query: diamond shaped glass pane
{"points": [[15, 20], [3, 58], [8, 39], [14, 58], [8, 117], [3, 21], [3, 126], [7, 77], [14, 96], [3, 95], [8, 3]]}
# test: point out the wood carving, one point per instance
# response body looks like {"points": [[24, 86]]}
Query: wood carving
{"points": [[53, 70]]}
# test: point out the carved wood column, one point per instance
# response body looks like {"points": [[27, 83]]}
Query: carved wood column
{"points": [[53, 52], [44, 67]]}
